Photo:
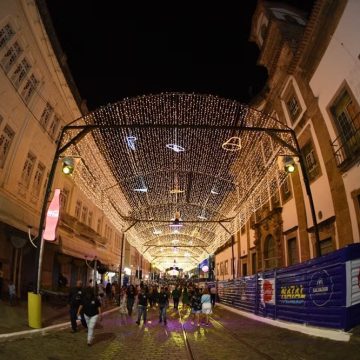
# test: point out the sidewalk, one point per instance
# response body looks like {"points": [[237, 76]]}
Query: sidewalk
{"points": [[15, 318]]}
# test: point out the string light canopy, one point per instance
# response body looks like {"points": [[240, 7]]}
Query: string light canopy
{"points": [[212, 160]]}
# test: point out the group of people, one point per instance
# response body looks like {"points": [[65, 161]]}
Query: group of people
{"points": [[85, 303]]}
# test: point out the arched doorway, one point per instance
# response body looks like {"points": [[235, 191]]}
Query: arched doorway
{"points": [[270, 256]]}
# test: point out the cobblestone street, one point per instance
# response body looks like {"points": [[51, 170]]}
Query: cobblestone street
{"points": [[229, 336]]}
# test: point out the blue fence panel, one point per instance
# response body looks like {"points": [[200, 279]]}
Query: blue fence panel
{"points": [[323, 292]]}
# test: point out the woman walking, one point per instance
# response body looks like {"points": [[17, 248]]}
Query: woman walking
{"points": [[206, 305], [196, 307], [130, 298], [123, 306], [185, 298], [92, 311]]}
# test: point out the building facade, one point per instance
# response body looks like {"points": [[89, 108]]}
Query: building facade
{"points": [[313, 87], [38, 97]]}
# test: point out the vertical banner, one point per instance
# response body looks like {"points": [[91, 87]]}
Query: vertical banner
{"points": [[52, 217]]}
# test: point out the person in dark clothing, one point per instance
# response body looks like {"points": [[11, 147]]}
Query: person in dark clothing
{"points": [[130, 298], [142, 305], [91, 307], [163, 300], [74, 301], [176, 296]]}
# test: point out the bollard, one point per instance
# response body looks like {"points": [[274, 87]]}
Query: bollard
{"points": [[34, 310]]}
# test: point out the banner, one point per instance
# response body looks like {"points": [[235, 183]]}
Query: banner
{"points": [[52, 217]]}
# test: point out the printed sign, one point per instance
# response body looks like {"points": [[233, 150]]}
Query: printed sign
{"points": [[321, 288], [292, 294], [268, 291], [52, 217]]}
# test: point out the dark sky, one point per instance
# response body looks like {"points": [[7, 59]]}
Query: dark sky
{"points": [[116, 52]]}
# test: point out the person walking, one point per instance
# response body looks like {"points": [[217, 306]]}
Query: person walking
{"points": [[163, 301], [196, 306], [213, 295], [176, 297], [123, 306], [130, 299], [91, 306], [74, 300], [185, 298], [206, 305], [12, 293], [142, 306]]}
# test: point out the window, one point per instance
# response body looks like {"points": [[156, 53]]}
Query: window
{"points": [[346, 113], [286, 189], [98, 227], [11, 56], [221, 268], [6, 33], [243, 230], [84, 214], [64, 198], [217, 269], [20, 72], [46, 115], [6, 139], [292, 251], [326, 246], [78, 209], [311, 162], [28, 169], [270, 253], [253, 263], [293, 108], [38, 178], [29, 88], [54, 126], [90, 217], [226, 267], [244, 269]]}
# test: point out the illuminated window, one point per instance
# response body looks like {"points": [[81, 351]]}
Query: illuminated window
{"points": [[64, 198], [54, 126], [292, 251], [311, 162]]}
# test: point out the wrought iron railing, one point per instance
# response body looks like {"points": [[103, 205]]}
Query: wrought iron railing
{"points": [[346, 146]]}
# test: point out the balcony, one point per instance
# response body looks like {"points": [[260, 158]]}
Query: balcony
{"points": [[346, 146]]}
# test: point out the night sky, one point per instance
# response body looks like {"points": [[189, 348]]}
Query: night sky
{"points": [[115, 52]]}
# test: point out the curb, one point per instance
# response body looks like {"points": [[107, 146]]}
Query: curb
{"points": [[337, 335], [42, 331]]}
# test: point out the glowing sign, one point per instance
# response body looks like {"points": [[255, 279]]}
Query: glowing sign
{"points": [[175, 147], [52, 217], [205, 268], [130, 140]]}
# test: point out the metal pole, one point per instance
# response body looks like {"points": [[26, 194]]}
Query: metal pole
{"points": [[311, 200], [232, 259], [40, 247], [121, 258]]}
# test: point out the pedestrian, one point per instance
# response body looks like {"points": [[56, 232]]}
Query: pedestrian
{"points": [[108, 291], [176, 296], [196, 306], [1, 279], [74, 300], [91, 307], [12, 293], [123, 306], [206, 305], [163, 300], [62, 281], [185, 298], [130, 299], [101, 292], [213, 295], [142, 305]]}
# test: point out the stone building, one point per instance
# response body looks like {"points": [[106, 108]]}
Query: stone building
{"points": [[313, 86], [38, 97]]}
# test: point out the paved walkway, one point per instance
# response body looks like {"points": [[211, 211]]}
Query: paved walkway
{"points": [[229, 337]]}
